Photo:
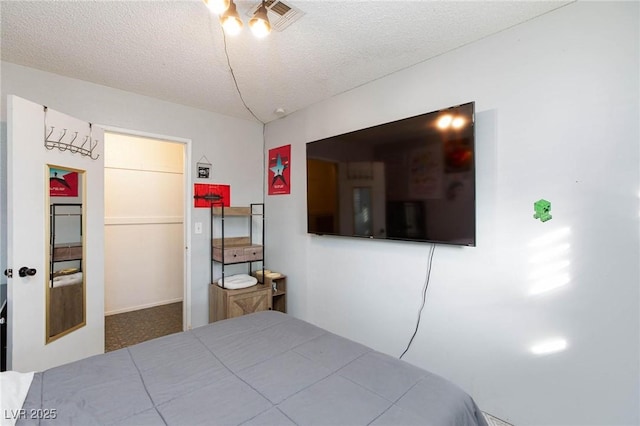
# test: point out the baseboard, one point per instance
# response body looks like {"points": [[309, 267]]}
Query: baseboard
{"points": [[145, 306]]}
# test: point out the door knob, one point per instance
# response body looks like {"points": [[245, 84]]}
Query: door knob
{"points": [[24, 271]]}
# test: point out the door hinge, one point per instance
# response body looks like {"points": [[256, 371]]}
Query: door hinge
{"points": [[8, 273]]}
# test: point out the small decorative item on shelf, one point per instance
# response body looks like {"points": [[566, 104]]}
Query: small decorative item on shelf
{"points": [[259, 272], [237, 281]]}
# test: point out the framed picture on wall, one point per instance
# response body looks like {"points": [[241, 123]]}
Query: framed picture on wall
{"points": [[204, 168], [207, 195], [279, 170], [63, 183], [203, 171]]}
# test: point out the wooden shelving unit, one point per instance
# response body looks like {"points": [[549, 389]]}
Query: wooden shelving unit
{"points": [[233, 250], [228, 303]]}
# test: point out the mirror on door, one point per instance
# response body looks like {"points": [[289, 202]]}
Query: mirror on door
{"points": [[65, 273]]}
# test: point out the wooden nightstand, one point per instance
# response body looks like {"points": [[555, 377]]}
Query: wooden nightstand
{"points": [[225, 303], [278, 290]]}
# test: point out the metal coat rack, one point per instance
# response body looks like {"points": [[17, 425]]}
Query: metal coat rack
{"points": [[50, 142]]}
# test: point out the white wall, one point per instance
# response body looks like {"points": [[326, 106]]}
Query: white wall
{"points": [[144, 222], [557, 103], [233, 146]]}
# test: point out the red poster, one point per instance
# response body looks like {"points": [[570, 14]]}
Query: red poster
{"points": [[206, 195], [279, 171], [63, 183]]}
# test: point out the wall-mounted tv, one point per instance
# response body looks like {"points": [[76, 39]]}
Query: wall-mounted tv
{"points": [[411, 179]]}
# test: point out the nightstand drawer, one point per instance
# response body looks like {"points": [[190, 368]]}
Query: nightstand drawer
{"points": [[231, 255], [253, 253], [67, 252]]}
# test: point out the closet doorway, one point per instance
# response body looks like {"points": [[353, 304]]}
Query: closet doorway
{"points": [[146, 215]]}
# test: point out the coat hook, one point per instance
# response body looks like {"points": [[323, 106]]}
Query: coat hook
{"points": [[62, 134], [91, 151], [73, 147], [93, 146], [49, 144], [82, 149]]}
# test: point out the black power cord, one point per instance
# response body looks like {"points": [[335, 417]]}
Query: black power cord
{"points": [[233, 75], [424, 297], [235, 82]]}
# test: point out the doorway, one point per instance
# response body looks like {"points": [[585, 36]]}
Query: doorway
{"points": [[146, 215]]}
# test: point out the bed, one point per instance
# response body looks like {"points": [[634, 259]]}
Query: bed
{"points": [[266, 368]]}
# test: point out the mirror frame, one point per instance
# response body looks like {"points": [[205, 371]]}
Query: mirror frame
{"points": [[82, 180]]}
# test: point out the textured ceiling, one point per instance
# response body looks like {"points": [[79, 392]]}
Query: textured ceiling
{"points": [[175, 50]]}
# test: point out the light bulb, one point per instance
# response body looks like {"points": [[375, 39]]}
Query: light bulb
{"points": [[217, 6], [260, 28], [457, 122], [232, 25], [231, 20], [259, 24], [444, 121]]}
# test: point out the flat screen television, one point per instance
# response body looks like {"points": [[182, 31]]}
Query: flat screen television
{"points": [[411, 179]]}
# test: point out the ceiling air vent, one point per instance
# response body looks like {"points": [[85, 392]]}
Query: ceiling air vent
{"points": [[280, 14]]}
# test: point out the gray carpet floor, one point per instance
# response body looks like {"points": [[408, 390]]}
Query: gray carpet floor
{"points": [[129, 328]]}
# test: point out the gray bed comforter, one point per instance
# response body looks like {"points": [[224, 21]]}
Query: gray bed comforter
{"points": [[262, 369]]}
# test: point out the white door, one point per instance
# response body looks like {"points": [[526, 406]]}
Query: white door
{"points": [[28, 162]]}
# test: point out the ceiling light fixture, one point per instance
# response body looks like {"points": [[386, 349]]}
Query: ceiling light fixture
{"points": [[217, 6], [231, 22], [259, 24]]}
